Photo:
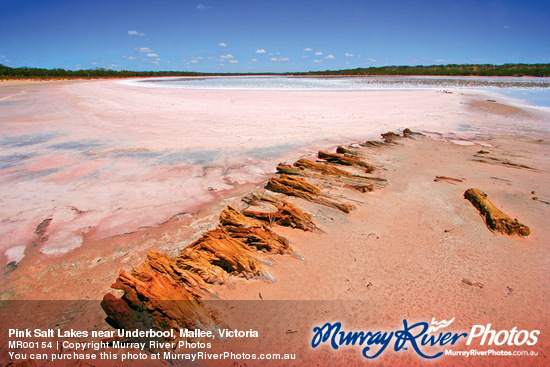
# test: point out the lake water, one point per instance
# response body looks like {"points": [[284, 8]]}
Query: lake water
{"points": [[530, 90]]}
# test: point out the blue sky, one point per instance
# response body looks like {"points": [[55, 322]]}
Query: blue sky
{"points": [[270, 35]]}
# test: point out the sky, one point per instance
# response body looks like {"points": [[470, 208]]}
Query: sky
{"points": [[270, 35]]}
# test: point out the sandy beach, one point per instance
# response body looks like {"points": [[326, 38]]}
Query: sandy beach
{"points": [[95, 174]]}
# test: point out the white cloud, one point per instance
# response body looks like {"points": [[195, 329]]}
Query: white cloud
{"points": [[317, 60], [145, 49], [194, 61], [228, 56], [154, 62], [329, 57], [305, 56], [152, 54], [233, 61], [280, 59], [254, 60], [129, 57], [319, 53], [307, 49], [371, 59], [349, 55], [136, 33], [198, 58], [222, 44], [260, 51], [200, 6], [111, 66]]}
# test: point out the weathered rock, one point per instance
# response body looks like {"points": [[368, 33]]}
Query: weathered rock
{"points": [[262, 239], [321, 167], [288, 170], [41, 228], [164, 264], [500, 162], [292, 186], [331, 173], [10, 267], [407, 133], [153, 300], [232, 217], [216, 255], [295, 186], [390, 137], [373, 143], [494, 218], [165, 292], [345, 160], [344, 150], [286, 214], [447, 179], [253, 232]]}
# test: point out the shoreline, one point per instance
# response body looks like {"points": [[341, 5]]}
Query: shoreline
{"points": [[451, 253], [113, 167], [82, 157]]}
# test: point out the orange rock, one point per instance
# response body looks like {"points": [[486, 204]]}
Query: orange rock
{"points": [[216, 254], [345, 160], [153, 300], [321, 167], [164, 264], [390, 137], [295, 186], [261, 239], [286, 214], [253, 232], [494, 218], [232, 217], [344, 150], [289, 170]]}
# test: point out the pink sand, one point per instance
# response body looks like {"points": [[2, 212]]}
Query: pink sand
{"points": [[108, 157]]}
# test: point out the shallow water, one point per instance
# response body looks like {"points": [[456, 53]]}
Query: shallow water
{"points": [[529, 90]]}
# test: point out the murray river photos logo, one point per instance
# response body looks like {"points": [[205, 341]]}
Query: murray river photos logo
{"points": [[419, 337]]}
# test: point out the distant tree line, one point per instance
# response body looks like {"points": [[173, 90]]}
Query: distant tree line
{"points": [[37, 73], [451, 69]]}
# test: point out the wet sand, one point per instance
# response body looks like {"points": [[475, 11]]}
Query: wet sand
{"points": [[122, 170]]}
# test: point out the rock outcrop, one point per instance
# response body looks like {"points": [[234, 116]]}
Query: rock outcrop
{"points": [[345, 160], [166, 292], [494, 217]]}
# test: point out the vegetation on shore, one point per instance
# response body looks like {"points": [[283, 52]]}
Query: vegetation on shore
{"points": [[539, 70], [449, 70]]}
